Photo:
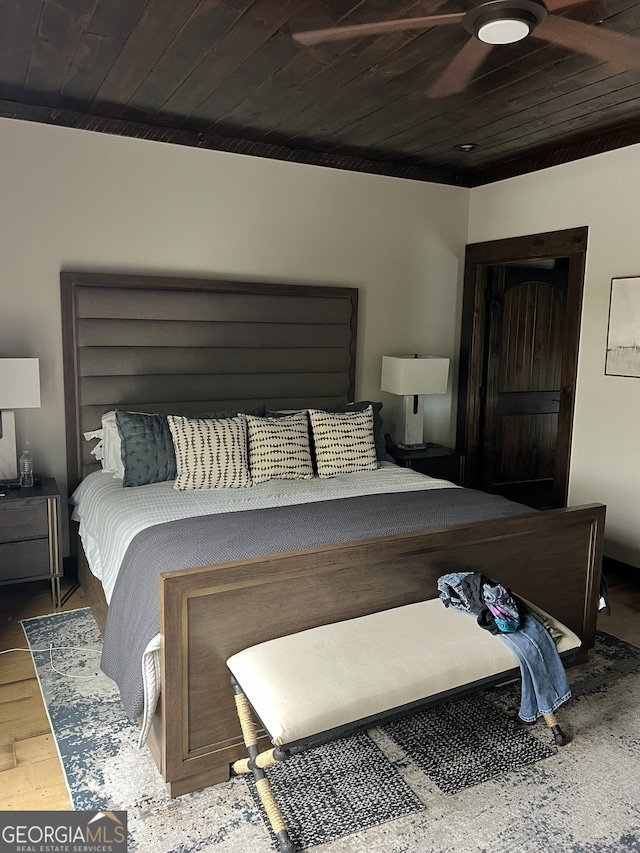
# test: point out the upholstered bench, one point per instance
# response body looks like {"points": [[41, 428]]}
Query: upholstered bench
{"points": [[317, 685]]}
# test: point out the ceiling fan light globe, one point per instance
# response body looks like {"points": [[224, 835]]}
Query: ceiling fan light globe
{"points": [[505, 31], [504, 21]]}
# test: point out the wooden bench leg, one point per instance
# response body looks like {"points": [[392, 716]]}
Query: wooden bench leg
{"points": [[255, 763], [558, 735]]}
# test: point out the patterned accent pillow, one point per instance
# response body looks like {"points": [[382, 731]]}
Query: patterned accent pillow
{"points": [[378, 427], [210, 454], [344, 442], [279, 448], [145, 444]]}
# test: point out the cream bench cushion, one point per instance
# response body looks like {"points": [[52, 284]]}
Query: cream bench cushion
{"points": [[327, 677]]}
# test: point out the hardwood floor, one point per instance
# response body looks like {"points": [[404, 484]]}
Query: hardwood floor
{"points": [[624, 597], [30, 773]]}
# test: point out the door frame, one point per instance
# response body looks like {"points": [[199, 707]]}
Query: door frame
{"points": [[570, 243]]}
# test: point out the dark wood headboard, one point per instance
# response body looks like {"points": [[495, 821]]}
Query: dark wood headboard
{"points": [[154, 344]]}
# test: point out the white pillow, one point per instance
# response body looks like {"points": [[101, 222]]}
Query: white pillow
{"points": [[279, 448], [344, 442], [211, 453], [111, 446], [96, 450]]}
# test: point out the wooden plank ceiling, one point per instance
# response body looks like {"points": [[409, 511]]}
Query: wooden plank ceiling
{"points": [[229, 75]]}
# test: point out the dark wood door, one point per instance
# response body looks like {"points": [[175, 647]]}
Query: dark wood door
{"points": [[523, 378], [518, 360]]}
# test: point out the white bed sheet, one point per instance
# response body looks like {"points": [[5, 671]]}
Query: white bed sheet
{"points": [[110, 515]]}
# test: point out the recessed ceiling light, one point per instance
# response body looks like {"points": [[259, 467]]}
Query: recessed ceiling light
{"points": [[466, 147]]}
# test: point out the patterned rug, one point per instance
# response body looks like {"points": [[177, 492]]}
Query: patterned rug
{"points": [[420, 786], [465, 742]]}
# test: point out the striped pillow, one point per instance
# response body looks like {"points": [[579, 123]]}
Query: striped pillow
{"points": [[279, 448], [210, 453], [344, 442]]}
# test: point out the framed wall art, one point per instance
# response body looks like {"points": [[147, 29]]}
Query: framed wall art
{"points": [[623, 337]]}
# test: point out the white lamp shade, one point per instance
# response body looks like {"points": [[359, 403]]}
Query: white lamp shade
{"points": [[410, 375], [19, 383]]}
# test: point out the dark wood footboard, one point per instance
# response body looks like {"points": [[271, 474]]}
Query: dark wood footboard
{"points": [[551, 558]]}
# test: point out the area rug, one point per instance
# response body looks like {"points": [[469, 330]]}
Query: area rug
{"points": [[337, 789], [465, 742], [581, 798]]}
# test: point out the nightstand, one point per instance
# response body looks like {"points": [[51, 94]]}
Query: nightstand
{"points": [[441, 462], [30, 536]]}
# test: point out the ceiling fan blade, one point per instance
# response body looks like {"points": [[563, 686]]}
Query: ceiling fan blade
{"points": [[554, 5], [457, 75], [361, 30], [620, 49]]}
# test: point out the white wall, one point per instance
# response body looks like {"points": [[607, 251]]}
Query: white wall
{"points": [[74, 200], [600, 192]]}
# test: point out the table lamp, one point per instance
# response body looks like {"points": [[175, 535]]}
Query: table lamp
{"points": [[19, 389], [412, 377]]}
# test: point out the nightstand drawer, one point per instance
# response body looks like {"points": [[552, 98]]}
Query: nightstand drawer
{"points": [[24, 559], [30, 535], [23, 519]]}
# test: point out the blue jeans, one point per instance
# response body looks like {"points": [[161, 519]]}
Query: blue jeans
{"points": [[544, 681]]}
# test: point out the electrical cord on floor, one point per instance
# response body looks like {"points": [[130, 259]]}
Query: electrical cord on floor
{"points": [[53, 648]]}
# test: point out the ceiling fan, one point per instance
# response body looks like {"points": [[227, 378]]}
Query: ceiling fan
{"points": [[496, 22]]}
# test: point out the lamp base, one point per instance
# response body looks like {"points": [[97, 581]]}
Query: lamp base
{"points": [[8, 456], [412, 433]]}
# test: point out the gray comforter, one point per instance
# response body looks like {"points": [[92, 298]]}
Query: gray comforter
{"points": [[133, 618]]}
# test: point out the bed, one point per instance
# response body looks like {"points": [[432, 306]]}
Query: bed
{"points": [[169, 345]]}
